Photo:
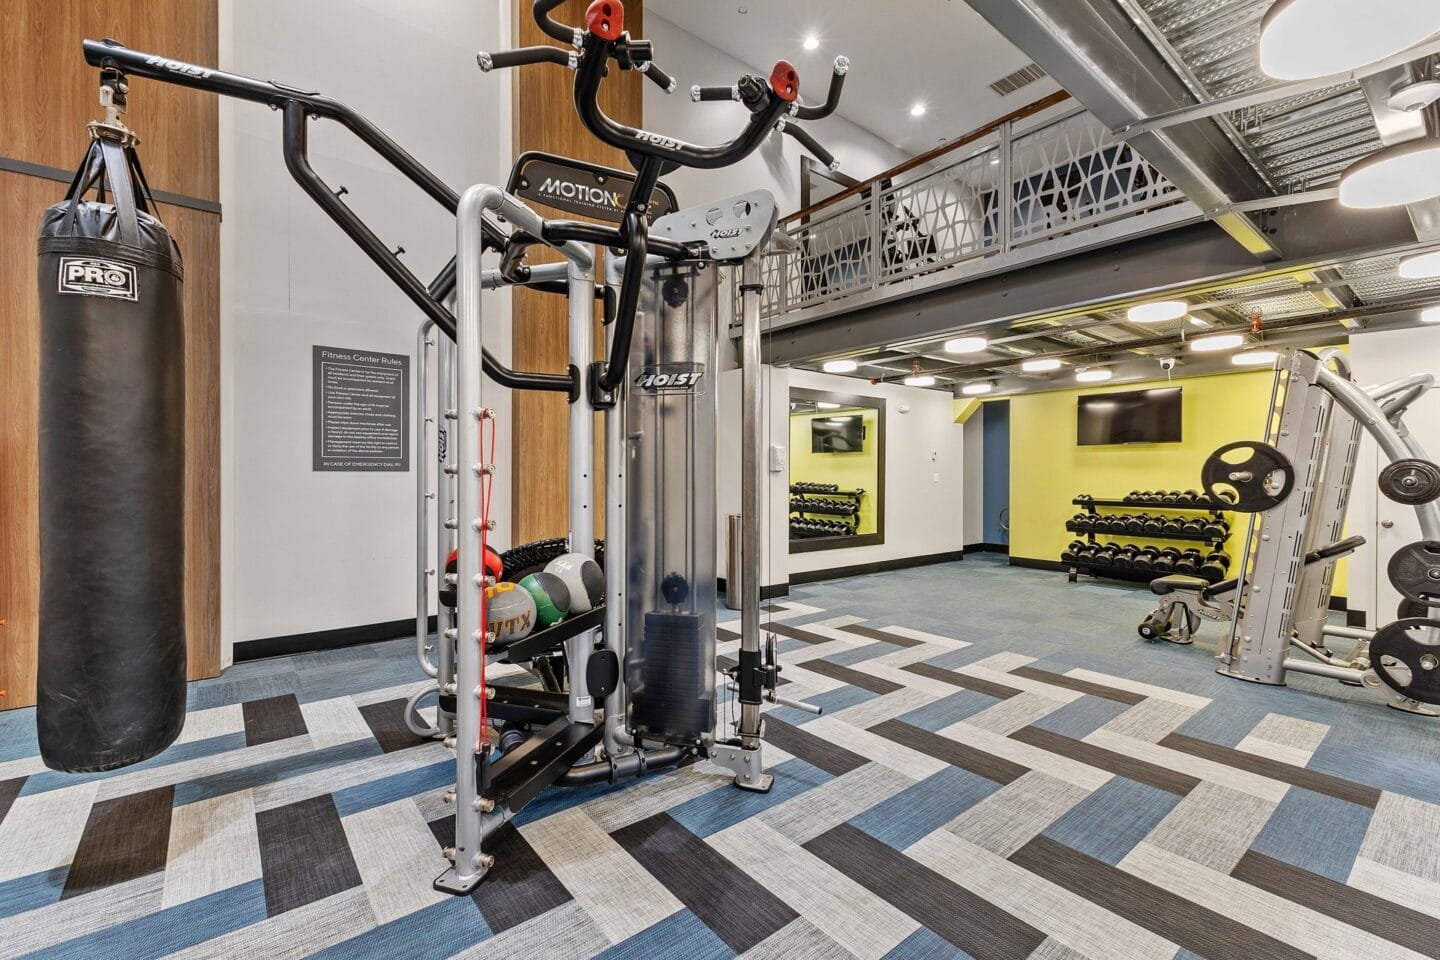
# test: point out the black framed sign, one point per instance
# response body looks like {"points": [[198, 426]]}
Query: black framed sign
{"points": [[361, 410]]}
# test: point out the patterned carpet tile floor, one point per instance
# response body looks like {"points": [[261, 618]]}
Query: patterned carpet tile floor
{"points": [[1001, 771]]}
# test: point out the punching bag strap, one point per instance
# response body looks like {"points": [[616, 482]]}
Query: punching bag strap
{"points": [[118, 166], [117, 172]]}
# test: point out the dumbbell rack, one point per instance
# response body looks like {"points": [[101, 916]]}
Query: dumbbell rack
{"points": [[853, 518], [1217, 510]]}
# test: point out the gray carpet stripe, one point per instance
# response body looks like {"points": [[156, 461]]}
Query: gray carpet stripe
{"points": [[1117, 763], [729, 901], [304, 854], [1359, 793], [124, 838], [1395, 923], [970, 922], [1195, 928]]}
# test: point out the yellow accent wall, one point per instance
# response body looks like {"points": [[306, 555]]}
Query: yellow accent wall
{"points": [[850, 470], [1048, 468]]}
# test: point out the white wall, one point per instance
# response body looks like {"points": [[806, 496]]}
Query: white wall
{"points": [[924, 474], [776, 165], [309, 551], [1379, 357], [973, 514]]}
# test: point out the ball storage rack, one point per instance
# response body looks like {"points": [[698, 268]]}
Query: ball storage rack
{"points": [[1215, 509]]}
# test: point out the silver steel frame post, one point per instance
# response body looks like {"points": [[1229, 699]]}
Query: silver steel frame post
{"points": [[581, 299], [445, 519], [617, 739], [423, 571]]}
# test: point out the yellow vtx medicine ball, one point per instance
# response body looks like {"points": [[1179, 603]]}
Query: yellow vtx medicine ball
{"points": [[509, 612]]}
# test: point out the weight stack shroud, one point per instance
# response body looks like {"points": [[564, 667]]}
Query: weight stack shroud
{"points": [[112, 656]]}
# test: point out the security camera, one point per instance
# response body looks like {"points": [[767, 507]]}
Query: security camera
{"points": [[1167, 363]]}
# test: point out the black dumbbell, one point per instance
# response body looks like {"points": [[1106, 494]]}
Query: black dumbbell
{"points": [[1215, 567], [1070, 553], [1172, 526], [1194, 496], [1164, 561], [1125, 556], [1193, 528], [1216, 529], [1085, 498], [1152, 524], [1145, 558], [1105, 554], [1187, 564]]}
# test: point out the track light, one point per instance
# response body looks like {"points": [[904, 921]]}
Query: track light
{"points": [[1403, 173], [1221, 341], [1094, 375], [1422, 266], [1431, 315], [976, 389], [812, 42], [966, 345], [923, 380], [840, 366], [1255, 358], [1162, 311], [1040, 365], [826, 405], [1302, 39]]}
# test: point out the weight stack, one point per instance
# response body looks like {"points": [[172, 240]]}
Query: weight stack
{"points": [[111, 686]]}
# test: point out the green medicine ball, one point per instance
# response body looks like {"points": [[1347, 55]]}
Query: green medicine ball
{"points": [[552, 597]]}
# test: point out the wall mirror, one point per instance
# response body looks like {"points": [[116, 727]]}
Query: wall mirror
{"points": [[837, 470]]}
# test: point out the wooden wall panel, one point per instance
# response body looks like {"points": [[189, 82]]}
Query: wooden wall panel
{"points": [[51, 96], [545, 119], [50, 91]]}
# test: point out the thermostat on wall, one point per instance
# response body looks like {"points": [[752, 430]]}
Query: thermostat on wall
{"points": [[777, 458]]}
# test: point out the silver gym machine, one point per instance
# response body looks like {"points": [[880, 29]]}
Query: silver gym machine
{"points": [[1296, 485]]}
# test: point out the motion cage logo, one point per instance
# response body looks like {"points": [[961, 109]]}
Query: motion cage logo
{"points": [[581, 193], [93, 277], [676, 378]]}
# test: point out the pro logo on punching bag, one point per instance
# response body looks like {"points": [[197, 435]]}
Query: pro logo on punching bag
{"points": [[93, 277]]}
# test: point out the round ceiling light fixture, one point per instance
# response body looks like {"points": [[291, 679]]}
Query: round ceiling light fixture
{"points": [[1094, 375], [1161, 311], [917, 110], [922, 380], [812, 42], [966, 345], [1422, 266], [1255, 358], [1431, 315], [977, 389], [1221, 341], [1040, 365], [839, 366], [1303, 39], [1403, 173]]}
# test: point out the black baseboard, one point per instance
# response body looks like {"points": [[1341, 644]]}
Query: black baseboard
{"points": [[767, 592], [987, 548], [324, 639], [1038, 564], [879, 566]]}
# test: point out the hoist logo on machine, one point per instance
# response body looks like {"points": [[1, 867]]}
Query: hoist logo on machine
{"points": [[670, 377], [94, 277], [178, 66]]}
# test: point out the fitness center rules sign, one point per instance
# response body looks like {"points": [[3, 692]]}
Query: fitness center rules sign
{"points": [[361, 410]]}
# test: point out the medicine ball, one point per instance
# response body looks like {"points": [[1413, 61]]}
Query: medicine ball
{"points": [[509, 612], [583, 577], [551, 596]]}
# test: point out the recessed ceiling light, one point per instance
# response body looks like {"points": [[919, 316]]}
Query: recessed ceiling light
{"points": [[924, 380], [1432, 315], [976, 389], [1422, 266], [1403, 173], [1161, 311], [812, 42], [826, 405], [1255, 358], [966, 345], [1221, 341], [917, 110], [1414, 96], [839, 366], [1301, 39], [1040, 365], [1094, 375], [994, 161], [743, 10]]}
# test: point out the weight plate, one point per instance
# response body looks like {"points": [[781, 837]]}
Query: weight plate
{"points": [[1405, 655], [1410, 481], [1414, 570], [1263, 479], [1409, 609]]}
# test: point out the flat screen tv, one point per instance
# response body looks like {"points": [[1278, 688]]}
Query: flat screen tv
{"points": [[1136, 416], [837, 434]]}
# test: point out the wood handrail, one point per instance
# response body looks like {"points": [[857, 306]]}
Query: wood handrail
{"points": [[1044, 103]]}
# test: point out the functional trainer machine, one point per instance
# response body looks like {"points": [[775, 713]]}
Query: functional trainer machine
{"points": [[648, 653], [1296, 486]]}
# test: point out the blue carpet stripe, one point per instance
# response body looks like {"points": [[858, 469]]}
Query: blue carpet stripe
{"points": [[1107, 824], [273, 771], [714, 811], [925, 807], [194, 750], [1315, 832], [680, 936], [32, 891], [410, 783], [438, 930]]}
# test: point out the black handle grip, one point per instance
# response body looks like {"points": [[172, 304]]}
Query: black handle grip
{"points": [[832, 96], [523, 56], [805, 140], [702, 94], [659, 77]]}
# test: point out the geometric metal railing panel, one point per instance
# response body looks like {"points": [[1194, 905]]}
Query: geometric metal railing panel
{"points": [[1005, 190]]}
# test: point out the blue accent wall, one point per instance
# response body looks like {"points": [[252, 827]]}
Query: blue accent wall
{"points": [[995, 438]]}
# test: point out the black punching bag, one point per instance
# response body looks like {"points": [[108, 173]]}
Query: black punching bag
{"points": [[112, 472]]}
